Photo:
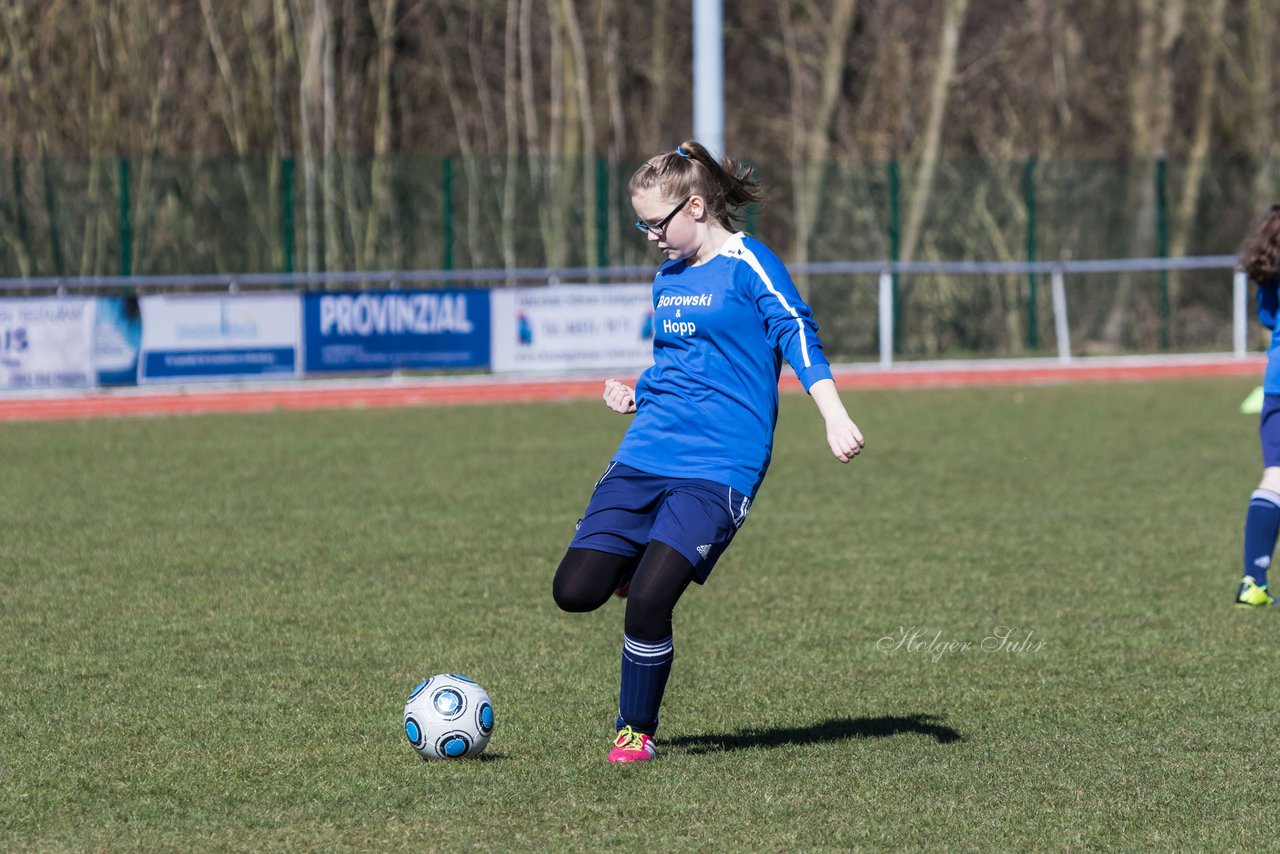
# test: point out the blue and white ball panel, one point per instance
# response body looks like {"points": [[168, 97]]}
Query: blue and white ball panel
{"points": [[414, 733], [449, 702], [453, 745]]}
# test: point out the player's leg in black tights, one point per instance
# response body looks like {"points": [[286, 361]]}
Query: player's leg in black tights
{"points": [[659, 581], [648, 648], [586, 578]]}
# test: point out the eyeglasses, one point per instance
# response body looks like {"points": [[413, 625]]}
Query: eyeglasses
{"points": [[660, 228]]}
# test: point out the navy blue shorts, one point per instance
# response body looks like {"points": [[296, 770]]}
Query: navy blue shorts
{"points": [[629, 508], [1269, 430]]}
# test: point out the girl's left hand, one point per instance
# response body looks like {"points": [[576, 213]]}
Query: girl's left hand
{"points": [[845, 438], [619, 397]]}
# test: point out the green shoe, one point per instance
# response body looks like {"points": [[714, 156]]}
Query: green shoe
{"points": [[1252, 595]]}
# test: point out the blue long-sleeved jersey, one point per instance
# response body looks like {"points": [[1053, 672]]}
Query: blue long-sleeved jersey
{"points": [[708, 405], [1268, 315]]}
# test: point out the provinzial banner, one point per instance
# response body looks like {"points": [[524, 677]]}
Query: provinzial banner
{"points": [[572, 327], [47, 343], [382, 331], [203, 336]]}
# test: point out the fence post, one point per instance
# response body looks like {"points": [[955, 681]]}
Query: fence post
{"points": [[126, 224], [1162, 247], [602, 212], [1060, 325], [1239, 314], [51, 211], [1029, 198], [286, 212], [446, 182], [895, 248], [19, 203], [886, 317]]}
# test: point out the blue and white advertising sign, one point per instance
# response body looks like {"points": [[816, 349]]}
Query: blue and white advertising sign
{"points": [[117, 336], [204, 336], [380, 331], [47, 343], [573, 327]]}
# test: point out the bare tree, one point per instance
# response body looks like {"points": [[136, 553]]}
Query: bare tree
{"points": [[326, 50], [578, 78], [380, 206], [930, 146], [1151, 96], [1208, 22], [308, 37], [522, 92], [511, 115], [1260, 95], [812, 112]]}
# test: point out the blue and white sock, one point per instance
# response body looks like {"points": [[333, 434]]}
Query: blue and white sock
{"points": [[645, 668], [1261, 524]]}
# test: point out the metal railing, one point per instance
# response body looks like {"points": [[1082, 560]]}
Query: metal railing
{"points": [[888, 273]]}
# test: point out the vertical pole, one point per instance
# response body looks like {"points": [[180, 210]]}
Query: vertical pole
{"points": [[126, 224], [1029, 198], [1239, 314], [51, 211], [886, 318], [1060, 325], [19, 203], [1162, 247], [895, 248], [286, 213], [708, 74], [602, 212], [446, 181]]}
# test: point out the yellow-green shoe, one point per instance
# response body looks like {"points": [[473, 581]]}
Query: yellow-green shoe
{"points": [[1253, 595]]}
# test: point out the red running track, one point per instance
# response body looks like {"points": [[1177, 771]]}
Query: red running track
{"points": [[377, 394]]}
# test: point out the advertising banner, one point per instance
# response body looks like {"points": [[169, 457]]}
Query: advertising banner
{"points": [[117, 336], [224, 336], [572, 327], [382, 331], [46, 343]]}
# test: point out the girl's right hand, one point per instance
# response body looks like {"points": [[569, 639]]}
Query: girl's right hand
{"points": [[619, 397]]}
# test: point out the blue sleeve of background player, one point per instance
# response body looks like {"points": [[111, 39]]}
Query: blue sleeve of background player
{"points": [[788, 321], [1268, 303]]}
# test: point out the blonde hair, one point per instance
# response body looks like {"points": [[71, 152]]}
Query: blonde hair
{"points": [[725, 185]]}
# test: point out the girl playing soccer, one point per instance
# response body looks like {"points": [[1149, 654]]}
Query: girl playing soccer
{"points": [[680, 485], [1260, 259]]}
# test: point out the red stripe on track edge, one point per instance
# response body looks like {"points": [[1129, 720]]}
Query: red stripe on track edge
{"points": [[382, 394]]}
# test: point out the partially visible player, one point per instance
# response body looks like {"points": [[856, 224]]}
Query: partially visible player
{"points": [[726, 314], [1260, 259]]}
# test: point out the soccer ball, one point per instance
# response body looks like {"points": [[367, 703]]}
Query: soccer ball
{"points": [[448, 717]]}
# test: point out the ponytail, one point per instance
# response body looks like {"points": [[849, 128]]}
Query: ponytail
{"points": [[726, 185]]}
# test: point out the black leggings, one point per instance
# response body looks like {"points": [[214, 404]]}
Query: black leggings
{"points": [[587, 578]]}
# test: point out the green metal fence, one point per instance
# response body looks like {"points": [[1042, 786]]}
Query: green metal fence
{"points": [[168, 216]]}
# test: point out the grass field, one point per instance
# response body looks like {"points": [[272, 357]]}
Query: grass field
{"points": [[209, 625]]}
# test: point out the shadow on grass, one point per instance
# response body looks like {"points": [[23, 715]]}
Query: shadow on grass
{"points": [[837, 729]]}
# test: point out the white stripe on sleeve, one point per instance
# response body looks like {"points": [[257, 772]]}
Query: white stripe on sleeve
{"points": [[741, 251]]}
